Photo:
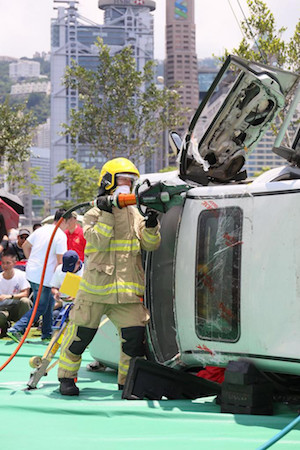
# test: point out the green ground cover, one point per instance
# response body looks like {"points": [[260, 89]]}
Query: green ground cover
{"points": [[43, 419]]}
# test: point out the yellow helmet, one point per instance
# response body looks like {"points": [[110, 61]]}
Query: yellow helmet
{"points": [[107, 179]]}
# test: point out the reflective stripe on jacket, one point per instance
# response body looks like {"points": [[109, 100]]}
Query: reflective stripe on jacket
{"points": [[113, 272]]}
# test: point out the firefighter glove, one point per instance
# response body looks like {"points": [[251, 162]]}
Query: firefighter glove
{"points": [[151, 220], [103, 204]]}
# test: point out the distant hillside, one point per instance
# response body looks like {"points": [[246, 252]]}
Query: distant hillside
{"points": [[39, 103]]}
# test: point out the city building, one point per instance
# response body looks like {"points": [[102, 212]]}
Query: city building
{"points": [[181, 59], [24, 69], [42, 135], [40, 160], [28, 88], [126, 22]]}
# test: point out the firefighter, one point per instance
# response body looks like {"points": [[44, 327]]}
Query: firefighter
{"points": [[113, 280]]}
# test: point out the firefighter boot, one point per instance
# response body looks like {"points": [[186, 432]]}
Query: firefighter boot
{"points": [[68, 387]]}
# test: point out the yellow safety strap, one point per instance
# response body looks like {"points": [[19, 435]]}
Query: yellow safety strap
{"points": [[112, 288], [102, 228], [116, 245], [123, 368], [151, 238], [65, 362]]}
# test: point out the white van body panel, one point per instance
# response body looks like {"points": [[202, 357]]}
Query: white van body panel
{"points": [[269, 279]]}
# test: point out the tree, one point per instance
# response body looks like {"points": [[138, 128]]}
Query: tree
{"points": [[262, 41], [16, 132], [122, 111], [37, 102], [81, 182]]}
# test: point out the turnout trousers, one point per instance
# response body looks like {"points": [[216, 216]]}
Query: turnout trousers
{"points": [[129, 319]]}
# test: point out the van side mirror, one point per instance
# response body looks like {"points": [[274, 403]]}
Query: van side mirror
{"points": [[175, 142]]}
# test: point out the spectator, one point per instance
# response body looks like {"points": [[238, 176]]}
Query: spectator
{"points": [[36, 226], [71, 263], [75, 238], [16, 247], [14, 292], [35, 248]]}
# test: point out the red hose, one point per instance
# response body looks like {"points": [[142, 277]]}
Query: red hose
{"points": [[37, 298]]}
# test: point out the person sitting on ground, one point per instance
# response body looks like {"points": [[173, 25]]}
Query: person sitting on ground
{"points": [[75, 239], [14, 292], [71, 263], [35, 248]]}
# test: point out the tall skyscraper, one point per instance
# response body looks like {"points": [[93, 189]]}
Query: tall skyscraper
{"points": [[126, 23], [181, 58]]}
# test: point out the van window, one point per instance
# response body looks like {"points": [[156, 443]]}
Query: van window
{"points": [[219, 244]]}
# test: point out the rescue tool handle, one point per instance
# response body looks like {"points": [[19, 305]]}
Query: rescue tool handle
{"points": [[159, 197]]}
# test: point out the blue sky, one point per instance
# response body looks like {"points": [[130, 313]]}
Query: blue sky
{"points": [[25, 24]]}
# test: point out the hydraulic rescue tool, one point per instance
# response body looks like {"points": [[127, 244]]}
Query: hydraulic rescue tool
{"points": [[159, 196]]}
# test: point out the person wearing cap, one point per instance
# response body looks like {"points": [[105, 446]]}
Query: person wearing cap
{"points": [[35, 249], [75, 238], [113, 280], [17, 246], [71, 263]]}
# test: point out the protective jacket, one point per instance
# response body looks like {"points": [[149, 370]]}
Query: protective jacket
{"points": [[113, 272]]}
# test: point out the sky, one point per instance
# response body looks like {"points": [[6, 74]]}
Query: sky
{"points": [[25, 24]]}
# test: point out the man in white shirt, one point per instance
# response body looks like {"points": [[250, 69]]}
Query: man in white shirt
{"points": [[14, 292], [35, 248]]}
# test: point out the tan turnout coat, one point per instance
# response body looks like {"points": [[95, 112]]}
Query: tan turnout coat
{"points": [[113, 271]]}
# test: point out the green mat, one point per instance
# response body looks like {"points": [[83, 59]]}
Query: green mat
{"points": [[99, 418]]}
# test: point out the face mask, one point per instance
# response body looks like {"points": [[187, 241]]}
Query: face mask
{"points": [[122, 190]]}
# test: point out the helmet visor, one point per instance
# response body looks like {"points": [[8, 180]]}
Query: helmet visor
{"points": [[129, 176]]}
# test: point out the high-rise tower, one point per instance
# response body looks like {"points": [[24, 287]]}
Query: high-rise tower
{"points": [[181, 58]]}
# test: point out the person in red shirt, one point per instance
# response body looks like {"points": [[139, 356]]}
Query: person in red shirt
{"points": [[75, 238]]}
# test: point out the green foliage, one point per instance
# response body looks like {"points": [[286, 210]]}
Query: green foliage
{"points": [[263, 42], [122, 111], [36, 102], [81, 182], [16, 132]]}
